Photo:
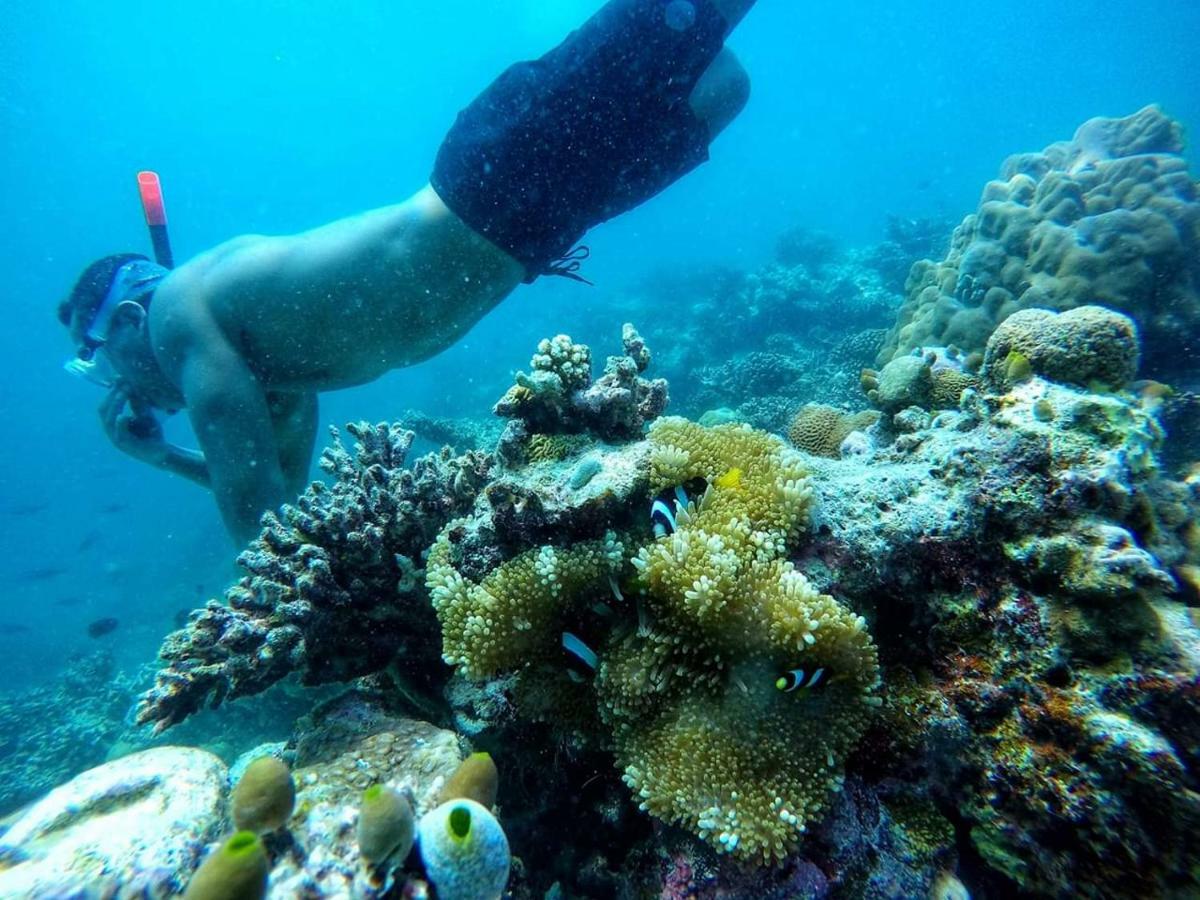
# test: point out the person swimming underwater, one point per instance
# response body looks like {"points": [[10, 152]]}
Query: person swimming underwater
{"points": [[245, 336]]}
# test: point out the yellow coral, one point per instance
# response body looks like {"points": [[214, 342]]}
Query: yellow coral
{"points": [[553, 447]]}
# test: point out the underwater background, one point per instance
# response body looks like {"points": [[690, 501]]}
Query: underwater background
{"points": [[274, 117]]}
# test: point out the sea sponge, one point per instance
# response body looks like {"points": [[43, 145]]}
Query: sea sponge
{"points": [[1108, 218], [264, 797], [819, 429], [386, 825], [476, 779], [465, 851], [237, 870], [1083, 346]]}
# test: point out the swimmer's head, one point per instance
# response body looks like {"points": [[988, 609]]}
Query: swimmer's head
{"points": [[90, 311], [105, 314]]}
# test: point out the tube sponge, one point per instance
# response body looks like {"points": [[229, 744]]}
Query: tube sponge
{"points": [[465, 851], [386, 825], [237, 870], [264, 797], [476, 779]]}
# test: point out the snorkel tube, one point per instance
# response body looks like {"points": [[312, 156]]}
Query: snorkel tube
{"points": [[133, 282], [150, 190]]}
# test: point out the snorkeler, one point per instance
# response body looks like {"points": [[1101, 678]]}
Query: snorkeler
{"points": [[245, 335]]}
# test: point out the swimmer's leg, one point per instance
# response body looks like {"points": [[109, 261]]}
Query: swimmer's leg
{"points": [[722, 91], [294, 419]]}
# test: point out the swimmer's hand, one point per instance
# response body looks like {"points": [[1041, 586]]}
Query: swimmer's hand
{"points": [[137, 432]]}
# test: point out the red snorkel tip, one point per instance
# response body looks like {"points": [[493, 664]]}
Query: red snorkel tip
{"points": [[150, 190], [152, 199]]}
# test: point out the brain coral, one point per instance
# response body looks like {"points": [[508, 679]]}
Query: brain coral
{"points": [[1080, 346], [688, 688], [1109, 218], [819, 429]]}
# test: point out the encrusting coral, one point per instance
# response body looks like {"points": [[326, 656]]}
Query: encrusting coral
{"points": [[1108, 218], [703, 732]]}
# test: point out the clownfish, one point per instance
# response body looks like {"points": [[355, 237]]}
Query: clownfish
{"points": [[661, 515], [798, 678]]}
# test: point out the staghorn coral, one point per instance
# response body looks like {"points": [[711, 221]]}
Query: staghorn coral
{"points": [[1108, 218], [820, 429], [1082, 346], [703, 734], [343, 555]]}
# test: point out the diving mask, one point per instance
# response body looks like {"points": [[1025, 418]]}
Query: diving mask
{"points": [[133, 284]]}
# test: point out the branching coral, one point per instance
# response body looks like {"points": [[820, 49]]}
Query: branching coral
{"points": [[705, 736], [342, 556], [559, 396]]}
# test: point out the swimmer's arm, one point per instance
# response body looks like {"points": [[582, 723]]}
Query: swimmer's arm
{"points": [[232, 421], [189, 464], [133, 428]]}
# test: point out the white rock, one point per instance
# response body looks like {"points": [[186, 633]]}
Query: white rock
{"points": [[135, 826]]}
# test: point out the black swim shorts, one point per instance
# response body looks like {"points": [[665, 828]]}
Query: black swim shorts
{"points": [[595, 127]]}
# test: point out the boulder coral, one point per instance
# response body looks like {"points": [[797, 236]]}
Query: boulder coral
{"points": [[819, 429], [1082, 346], [1109, 218]]}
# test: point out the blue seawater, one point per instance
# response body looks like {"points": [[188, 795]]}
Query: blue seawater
{"points": [[273, 117]]}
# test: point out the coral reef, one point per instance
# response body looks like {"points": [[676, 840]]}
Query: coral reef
{"points": [[559, 396], [133, 827], [820, 430], [1109, 218], [344, 554], [689, 694], [54, 731], [1083, 346], [929, 378]]}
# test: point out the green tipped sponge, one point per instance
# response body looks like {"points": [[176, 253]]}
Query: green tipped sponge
{"points": [[237, 870], [386, 826], [465, 851], [264, 797]]}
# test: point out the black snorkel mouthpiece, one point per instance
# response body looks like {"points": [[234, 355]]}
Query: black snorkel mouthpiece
{"points": [[150, 190]]}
